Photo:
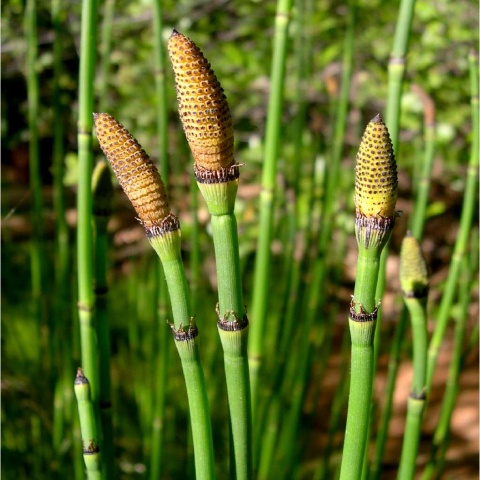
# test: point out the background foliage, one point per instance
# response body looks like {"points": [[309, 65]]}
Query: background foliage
{"points": [[236, 37]]}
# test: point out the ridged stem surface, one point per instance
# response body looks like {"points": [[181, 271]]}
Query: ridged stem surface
{"points": [[272, 145]]}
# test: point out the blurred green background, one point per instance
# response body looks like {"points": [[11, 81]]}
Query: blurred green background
{"points": [[39, 347]]}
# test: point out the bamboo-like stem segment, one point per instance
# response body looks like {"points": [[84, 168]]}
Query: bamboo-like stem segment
{"points": [[461, 242], [396, 75], [36, 215], [418, 219], [414, 283], [207, 123], [185, 332], [267, 195], [375, 198], [440, 437], [84, 199], [397, 67], [161, 91], [158, 424], [89, 427], [144, 187], [105, 52]]}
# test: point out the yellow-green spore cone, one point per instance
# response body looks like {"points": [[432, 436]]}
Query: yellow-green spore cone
{"points": [[376, 173], [136, 173], [202, 105], [413, 269]]}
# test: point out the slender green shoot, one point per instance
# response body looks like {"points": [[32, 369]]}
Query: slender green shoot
{"points": [[217, 178], [144, 187], [414, 283], [375, 198], [105, 53], [441, 435], [33, 92], [396, 76], [470, 201], [84, 198], [267, 196], [89, 427], [158, 424], [417, 222]]}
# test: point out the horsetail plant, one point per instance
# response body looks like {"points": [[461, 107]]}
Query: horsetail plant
{"points": [[396, 75], [470, 200], [88, 426], [375, 198], [441, 437], [414, 284], [37, 258], [144, 187], [267, 196], [207, 123], [88, 336]]}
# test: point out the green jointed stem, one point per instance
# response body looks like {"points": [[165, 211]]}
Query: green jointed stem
{"points": [[143, 185], [105, 53], [375, 198], [210, 138], [158, 424], [232, 328], [414, 283], [272, 145], [396, 75], [361, 377], [418, 219], [225, 238], [468, 209], [167, 247], [161, 91], [361, 382], [37, 258], [84, 199], [88, 426], [58, 19], [440, 438], [396, 69], [161, 370], [411, 438]]}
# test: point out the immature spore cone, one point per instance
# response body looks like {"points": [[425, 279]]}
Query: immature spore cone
{"points": [[413, 269], [376, 185], [376, 172], [203, 106], [136, 173]]}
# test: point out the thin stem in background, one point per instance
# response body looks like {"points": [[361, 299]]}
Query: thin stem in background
{"points": [[105, 54], [161, 92], [62, 315], [89, 427], [417, 222], [441, 436], [267, 196], [396, 75], [469, 204], [88, 336], [376, 185], [163, 352], [36, 254], [144, 187], [414, 283]]}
